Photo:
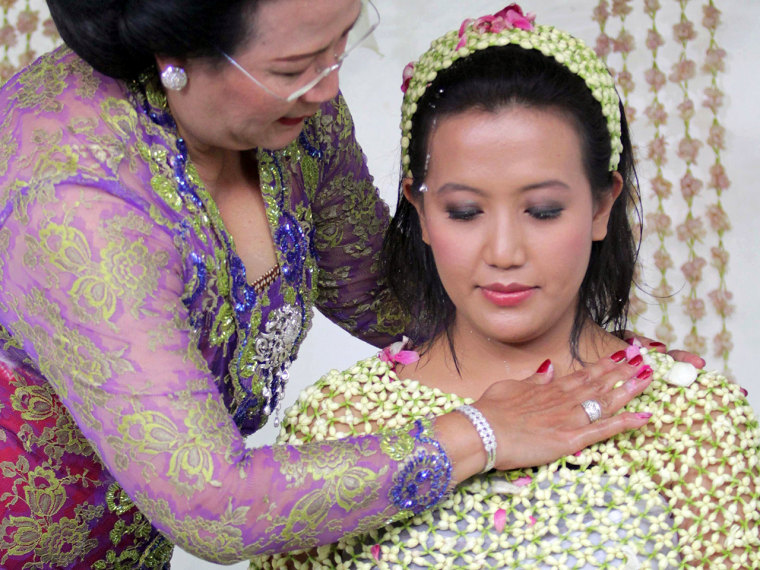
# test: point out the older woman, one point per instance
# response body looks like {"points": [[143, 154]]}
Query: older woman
{"points": [[158, 269]]}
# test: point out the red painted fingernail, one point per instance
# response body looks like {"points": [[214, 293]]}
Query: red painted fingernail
{"points": [[545, 367], [618, 356], [643, 415], [636, 360], [744, 391], [657, 344], [645, 373]]}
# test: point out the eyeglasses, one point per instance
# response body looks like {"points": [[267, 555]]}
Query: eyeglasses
{"points": [[366, 24]]}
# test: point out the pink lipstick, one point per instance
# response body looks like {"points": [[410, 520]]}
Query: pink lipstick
{"points": [[507, 295]]}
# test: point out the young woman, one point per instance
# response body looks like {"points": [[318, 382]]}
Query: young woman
{"points": [[512, 243]]}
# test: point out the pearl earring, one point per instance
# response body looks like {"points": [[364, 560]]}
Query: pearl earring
{"points": [[174, 78]]}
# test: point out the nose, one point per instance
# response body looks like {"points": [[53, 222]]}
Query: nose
{"points": [[327, 87], [504, 244]]}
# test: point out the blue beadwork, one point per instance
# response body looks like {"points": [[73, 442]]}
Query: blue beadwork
{"points": [[425, 479], [260, 383]]}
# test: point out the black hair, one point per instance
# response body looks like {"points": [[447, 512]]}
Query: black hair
{"points": [[121, 38], [491, 80]]}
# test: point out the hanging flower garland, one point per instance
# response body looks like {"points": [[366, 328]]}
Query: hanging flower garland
{"points": [[684, 251], [23, 35], [658, 222], [719, 182], [623, 44], [691, 231]]}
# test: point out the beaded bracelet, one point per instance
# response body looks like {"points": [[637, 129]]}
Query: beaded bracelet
{"points": [[485, 432]]}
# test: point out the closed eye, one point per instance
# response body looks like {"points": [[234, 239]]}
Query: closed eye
{"points": [[545, 213], [463, 214]]}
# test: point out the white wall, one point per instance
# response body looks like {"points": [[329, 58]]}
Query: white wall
{"points": [[371, 82]]}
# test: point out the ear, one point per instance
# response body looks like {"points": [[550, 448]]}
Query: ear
{"points": [[416, 201], [163, 62], [604, 207]]}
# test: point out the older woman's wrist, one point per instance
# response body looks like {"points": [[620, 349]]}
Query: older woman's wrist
{"points": [[462, 443]]}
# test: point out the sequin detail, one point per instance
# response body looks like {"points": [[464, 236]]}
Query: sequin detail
{"points": [[425, 478]]}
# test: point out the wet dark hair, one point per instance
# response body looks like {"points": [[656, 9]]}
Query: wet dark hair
{"points": [[121, 38], [491, 80]]}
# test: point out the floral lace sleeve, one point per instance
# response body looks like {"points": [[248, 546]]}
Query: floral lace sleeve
{"points": [[350, 220], [92, 297], [108, 333]]}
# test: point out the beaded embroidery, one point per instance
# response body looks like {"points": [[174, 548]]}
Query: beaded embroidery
{"points": [[259, 388], [424, 479]]}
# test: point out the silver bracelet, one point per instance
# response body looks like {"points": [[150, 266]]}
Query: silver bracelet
{"points": [[485, 432]]}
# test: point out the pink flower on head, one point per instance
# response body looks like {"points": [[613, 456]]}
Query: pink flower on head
{"points": [[395, 353], [407, 76], [506, 19], [516, 18]]}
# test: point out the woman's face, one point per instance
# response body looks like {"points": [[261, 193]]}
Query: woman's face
{"points": [[510, 219], [222, 108]]}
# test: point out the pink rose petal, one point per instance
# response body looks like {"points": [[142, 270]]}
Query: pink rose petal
{"points": [[522, 481], [631, 351], [500, 520], [376, 552], [532, 520], [407, 357]]}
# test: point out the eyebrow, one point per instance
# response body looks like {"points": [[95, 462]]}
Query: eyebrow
{"points": [[302, 56], [456, 187]]}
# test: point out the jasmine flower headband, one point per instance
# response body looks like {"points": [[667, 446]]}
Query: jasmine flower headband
{"points": [[510, 26]]}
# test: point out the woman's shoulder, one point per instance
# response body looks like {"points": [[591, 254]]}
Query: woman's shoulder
{"points": [[56, 80], [676, 383], [691, 408]]}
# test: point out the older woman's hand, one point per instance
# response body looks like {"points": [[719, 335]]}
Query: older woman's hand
{"points": [[541, 419], [680, 355]]}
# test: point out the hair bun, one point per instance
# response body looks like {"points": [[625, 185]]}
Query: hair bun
{"points": [[92, 29]]}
